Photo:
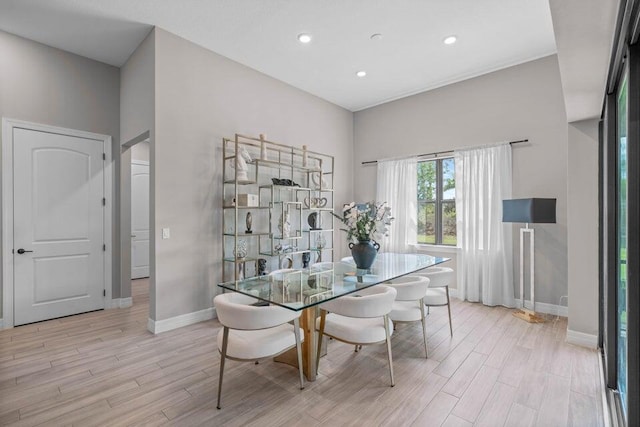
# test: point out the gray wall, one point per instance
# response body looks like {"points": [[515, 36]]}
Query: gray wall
{"points": [[524, 101], [137, 116], [46, 85], [140, 151], [583, 226], [202, 97]]}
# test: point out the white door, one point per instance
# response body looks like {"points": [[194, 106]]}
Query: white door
{"points": [[58, 225], [139, 219]]}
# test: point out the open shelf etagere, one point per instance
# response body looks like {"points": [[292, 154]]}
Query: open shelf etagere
{"points": [[314, 174]]}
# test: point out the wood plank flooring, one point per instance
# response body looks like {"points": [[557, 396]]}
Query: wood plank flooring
{"points": [[104, 368]]}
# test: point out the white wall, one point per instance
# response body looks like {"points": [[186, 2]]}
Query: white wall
{"points": [[140, 151], [582, 176], [45, 85], [137, 116], [524, 101], [202, 97]]}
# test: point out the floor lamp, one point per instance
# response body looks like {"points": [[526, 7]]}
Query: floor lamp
{"points": [[528, 211]]}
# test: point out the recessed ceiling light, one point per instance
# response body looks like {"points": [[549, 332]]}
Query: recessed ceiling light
{"points": [[450, 40], [304, 38], [361, 73]]}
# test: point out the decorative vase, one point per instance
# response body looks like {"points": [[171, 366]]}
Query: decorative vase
{"points": [[240, 251], [364, 253], [248, 222], [312, 219]]}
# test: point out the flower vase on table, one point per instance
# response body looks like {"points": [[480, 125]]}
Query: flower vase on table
{"points": [[364, 253], [365, 222]]}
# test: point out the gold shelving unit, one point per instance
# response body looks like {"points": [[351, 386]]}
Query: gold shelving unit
{"points": [[313, 175]]}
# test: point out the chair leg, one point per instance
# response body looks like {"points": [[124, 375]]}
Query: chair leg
{"points": [[449, 309], [223, 356], [424, 327], [323, 315], [386, 330], [296, 330]]}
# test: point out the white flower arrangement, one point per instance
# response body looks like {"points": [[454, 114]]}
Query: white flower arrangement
{"points": [[366, 222]]}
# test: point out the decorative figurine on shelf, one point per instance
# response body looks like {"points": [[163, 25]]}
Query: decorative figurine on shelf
{"points": [[242, 158], [318, 179], [321, 242], [284, 225], [306, 257], [312, 219], [283, 249], [263, 147], [241, 271], [249, 221], [262, 267]]}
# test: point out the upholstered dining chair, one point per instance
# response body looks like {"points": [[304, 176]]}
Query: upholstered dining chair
{"points": [[348, 260], [251, 333], [410, 301], [438, 293], [360, 319]]}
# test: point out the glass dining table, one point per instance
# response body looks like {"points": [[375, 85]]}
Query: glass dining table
{"points": [[304, 289]]}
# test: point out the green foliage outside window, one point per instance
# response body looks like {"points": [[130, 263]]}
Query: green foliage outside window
{"points": [[436, 207]]}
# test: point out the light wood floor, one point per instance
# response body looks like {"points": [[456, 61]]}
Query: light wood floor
{"points": [[104, 368]]}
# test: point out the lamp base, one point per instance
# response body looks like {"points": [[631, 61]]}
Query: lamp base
{"points": [[528, 315]]}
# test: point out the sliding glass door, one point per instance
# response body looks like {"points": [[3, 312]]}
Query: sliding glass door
{"points": [[621, 238]]}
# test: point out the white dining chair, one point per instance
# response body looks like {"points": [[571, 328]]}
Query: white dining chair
{"points": [[410, 302], [360, 319], [438, 293], [348, 260], [251, 333]]}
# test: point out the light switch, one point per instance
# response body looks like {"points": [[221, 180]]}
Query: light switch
{"points": [[166, 233]]}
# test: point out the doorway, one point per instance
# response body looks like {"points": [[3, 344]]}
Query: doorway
{"points": [[137, 253], [140, 210]]}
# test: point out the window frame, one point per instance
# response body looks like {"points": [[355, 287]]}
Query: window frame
{"points": [[439, 203]]}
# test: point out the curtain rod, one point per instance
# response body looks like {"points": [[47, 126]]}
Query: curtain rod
{"points": [[370, 162]]}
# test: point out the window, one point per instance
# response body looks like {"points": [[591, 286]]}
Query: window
{"points": [[437, 202]]}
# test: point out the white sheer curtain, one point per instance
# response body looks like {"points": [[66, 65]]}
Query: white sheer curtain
{"points": [[485, 262], [398, 186]]}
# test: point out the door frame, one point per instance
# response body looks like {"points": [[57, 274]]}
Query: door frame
{"points": [[8, 125]]}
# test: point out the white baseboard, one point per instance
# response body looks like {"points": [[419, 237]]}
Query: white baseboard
{"points": [[555, 310], [118, 303], [582, 339], [543, 307], [158, 326]]}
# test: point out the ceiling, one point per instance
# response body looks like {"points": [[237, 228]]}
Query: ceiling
{"points": [[262, 34]]}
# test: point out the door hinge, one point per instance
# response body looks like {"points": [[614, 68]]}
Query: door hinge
{"points": [[104, 201], [104, 156], [104, 247], [104, 292]]}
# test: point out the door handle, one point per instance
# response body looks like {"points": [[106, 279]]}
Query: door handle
{"points": [[22, 251], [133, 235]]}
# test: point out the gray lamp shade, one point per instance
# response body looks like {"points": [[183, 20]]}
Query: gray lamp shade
{"points": [[529, 210]]}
